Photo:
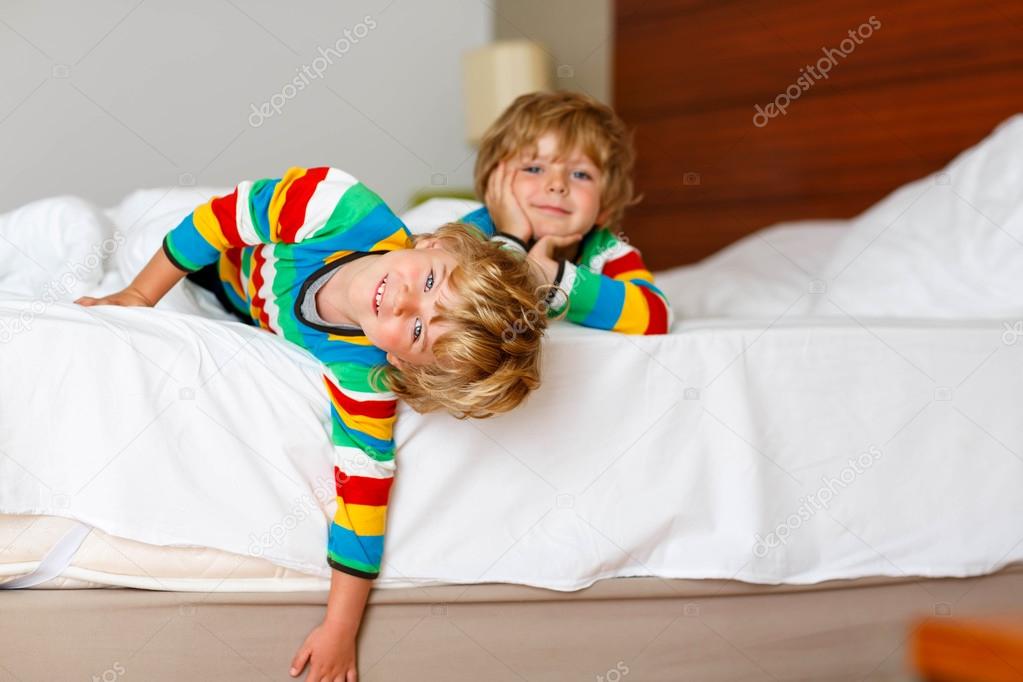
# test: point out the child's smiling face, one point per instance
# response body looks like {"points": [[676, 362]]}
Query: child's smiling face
{"points": [[558, 190], [393, 297]]}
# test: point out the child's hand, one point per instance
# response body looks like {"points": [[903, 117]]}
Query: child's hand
{"points": [[126, 297], [504, 208], [330, 649], [542, 253]]}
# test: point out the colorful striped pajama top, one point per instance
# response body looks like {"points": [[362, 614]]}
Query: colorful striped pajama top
{"points": [[608, 285], [270, 237]]}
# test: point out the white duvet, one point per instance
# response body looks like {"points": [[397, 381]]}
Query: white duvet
{"points": [[791, 428]]}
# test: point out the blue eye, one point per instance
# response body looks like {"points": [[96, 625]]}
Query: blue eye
{"points": [[583, 175], [531, 169], [417, 328]]}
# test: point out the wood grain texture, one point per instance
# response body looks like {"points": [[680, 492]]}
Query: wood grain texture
{"points": [[934, 78]]}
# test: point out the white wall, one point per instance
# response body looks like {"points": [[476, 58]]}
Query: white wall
{"points": [[578, 34], [100, 98]]}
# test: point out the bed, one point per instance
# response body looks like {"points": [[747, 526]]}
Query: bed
{"points": [[824, 449]]}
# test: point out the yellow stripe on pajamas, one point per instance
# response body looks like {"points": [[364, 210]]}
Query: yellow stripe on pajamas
{"points": [[635, 316], [367, 519]]}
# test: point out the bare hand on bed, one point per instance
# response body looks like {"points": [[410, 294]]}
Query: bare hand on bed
{"points": [[330, 651], [126, 297], [507, 213], [543, 252]]}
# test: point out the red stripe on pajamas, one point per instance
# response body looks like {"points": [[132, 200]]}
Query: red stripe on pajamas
{"points": [[225, 210], [376, 409], [258, 303], [295, 203], [630, 261], [658, 323], [362, 489]]}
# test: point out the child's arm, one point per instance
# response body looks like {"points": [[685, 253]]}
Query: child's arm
{"points": [[334, 639], [611, 290], [504, 208], [266, 211], [362, 421], [481, 220], [149, 286], [308, 204], [515, 231]]}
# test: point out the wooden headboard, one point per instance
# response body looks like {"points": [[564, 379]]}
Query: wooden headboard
{"points": [[917, 82]]}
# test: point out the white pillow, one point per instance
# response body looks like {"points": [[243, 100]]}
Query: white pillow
{"points": [[432, 213], [949, 245], [144, 217], [147, 215], [55, 249]]}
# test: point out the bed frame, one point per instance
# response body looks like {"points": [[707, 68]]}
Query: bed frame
{"points": [[933, 79], [627, 628]]}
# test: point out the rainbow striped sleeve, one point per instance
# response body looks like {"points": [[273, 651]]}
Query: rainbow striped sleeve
{"points": [[612, 289], [305, 203], [362, 422]]}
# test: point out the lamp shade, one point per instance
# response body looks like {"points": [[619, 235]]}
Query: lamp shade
{"points": [[494, 75]]}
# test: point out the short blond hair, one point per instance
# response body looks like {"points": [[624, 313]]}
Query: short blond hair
{"points": [[489, 361], [580, 122]]}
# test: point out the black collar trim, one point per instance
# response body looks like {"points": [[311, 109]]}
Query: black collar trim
{"points": [[333, 265]]}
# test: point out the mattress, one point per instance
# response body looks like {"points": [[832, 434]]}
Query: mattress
{"points": [[698, 462], [103, 560]]}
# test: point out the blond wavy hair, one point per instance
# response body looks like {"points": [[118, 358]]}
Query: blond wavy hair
{"points": [[489, 361], [580, 122]]}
